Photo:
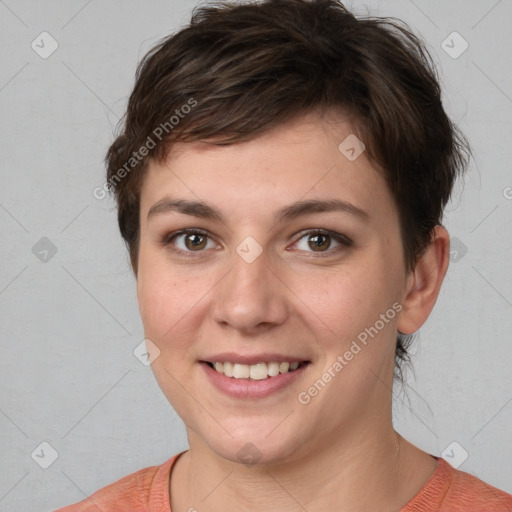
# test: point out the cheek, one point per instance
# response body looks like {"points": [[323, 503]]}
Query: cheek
{"points": [[170, 303], [342, 303], [157, 292], [163, 303], [166, 303]]}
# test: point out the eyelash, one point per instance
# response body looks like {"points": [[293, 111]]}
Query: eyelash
{"points": [[341, 239]]}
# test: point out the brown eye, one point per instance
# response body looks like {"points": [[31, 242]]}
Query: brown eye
{"points": [[319, 242], [322, 242], [188, 241], [194, 241]]}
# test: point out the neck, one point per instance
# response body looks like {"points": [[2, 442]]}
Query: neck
{"points": [[362, 470]]}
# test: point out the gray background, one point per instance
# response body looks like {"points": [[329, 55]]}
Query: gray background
{"points": [[70, 324]]}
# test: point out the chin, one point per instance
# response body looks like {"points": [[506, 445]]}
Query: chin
{"points": [[250, 445]]}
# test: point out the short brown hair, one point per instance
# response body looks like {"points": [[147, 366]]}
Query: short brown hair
{"points": [[243, 68]]}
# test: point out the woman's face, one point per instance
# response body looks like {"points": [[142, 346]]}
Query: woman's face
{"points": [[255, 282]]}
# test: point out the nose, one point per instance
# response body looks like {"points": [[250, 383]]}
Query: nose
{"points": [[252, 297]]}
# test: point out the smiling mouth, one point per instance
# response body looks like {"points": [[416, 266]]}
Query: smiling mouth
{"points": [[258, 371]]}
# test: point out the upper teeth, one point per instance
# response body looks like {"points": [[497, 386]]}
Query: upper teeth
{"points": [[257, 371]]}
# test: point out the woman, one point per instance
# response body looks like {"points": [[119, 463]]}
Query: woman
{"points": [[280, 181]]}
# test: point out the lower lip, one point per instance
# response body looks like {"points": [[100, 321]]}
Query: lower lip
{"points": [[248, 388]]}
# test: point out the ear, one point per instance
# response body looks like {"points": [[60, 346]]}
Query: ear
{"points": [[424, 282]]}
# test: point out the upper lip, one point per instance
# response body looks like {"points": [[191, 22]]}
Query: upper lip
{"points": [[252, 359]]}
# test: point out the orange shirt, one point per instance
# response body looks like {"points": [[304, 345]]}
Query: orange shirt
{"points": [[447, 490]]}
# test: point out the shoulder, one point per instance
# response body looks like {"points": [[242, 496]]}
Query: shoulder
{"points": [[144, 490], [471, 493], [451, 490]]}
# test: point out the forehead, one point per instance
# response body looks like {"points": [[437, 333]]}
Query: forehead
{"points": [[310, 157]]}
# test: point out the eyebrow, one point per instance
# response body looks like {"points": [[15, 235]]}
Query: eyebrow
{"points": [[305, 207]]}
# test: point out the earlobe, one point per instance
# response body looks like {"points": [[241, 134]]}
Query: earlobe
{"points": [[424, 282]]}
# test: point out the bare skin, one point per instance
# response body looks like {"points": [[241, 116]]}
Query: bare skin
{"points": [[339, 450]]}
